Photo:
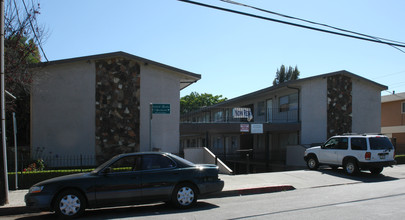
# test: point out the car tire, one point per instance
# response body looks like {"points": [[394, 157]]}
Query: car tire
{"points": [[376, 170], [69, 204], [184, 196], [312, 163], [351, 167]]}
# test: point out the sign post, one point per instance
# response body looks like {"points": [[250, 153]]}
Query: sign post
{"points": [[150, 126]]}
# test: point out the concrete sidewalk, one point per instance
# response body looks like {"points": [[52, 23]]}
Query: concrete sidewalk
{"points": [[236, 185]]}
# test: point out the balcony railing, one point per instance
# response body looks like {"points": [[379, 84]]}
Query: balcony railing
{"points": [[230, 115]]}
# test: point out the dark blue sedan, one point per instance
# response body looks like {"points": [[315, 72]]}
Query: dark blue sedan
{"points": [[127, 179]]}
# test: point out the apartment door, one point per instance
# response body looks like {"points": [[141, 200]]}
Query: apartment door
{"points": [[246, 141]]}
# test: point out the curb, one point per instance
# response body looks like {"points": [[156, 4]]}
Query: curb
{"points": [[251, 191], [18, 210]]}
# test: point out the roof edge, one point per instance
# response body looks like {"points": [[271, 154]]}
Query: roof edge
{"points": [[294, 82], [118, 54]]}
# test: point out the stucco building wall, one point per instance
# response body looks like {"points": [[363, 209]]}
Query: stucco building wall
{"points": [[159, 87], [366, 108], [99, 106], [62, 112], [391, 114], [313, 111]]}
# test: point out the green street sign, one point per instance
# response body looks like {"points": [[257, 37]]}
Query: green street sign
{"points": [[160, 108]]}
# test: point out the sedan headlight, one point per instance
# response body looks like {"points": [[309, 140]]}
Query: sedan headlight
{"points": [[36, 189]]}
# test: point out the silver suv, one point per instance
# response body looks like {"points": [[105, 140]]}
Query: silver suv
{"points": [[353, 152]]}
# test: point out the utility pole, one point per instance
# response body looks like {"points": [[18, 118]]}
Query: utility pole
{"points": [[4, 177]]}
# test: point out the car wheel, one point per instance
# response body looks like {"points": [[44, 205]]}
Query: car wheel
{"points": [[351, 167], [69, 204], [312, 163], [184, 196], [376, 170]]}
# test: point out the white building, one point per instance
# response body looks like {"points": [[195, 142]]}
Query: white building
{"points": [[100, 106], [300, 112]]}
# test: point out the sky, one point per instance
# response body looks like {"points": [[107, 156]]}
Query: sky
{"points": [[234, 54]]}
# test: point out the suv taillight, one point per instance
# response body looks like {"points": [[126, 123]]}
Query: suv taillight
{"points": [[367, 156]]}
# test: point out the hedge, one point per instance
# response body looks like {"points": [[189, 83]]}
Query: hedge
{"points": [[27, 179], [400, 159]]}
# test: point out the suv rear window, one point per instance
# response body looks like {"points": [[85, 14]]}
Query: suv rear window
{"points": [[358, 143], [380, 143]]}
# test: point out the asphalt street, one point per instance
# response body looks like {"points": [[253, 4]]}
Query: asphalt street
{"points": [[243, 185]]}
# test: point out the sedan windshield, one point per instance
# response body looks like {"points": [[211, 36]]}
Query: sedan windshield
{"points": [[103, 165]]}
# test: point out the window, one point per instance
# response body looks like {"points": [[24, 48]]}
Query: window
{"points": [[218, 116], [284, 103], [403, 108], [337, 143], [151, 162], [380, 143], [125, 164], [261, 108], [358, 143], [270, 110], [288, 102]]}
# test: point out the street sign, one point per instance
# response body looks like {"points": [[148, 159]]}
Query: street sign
{"points": [[160, 108]]}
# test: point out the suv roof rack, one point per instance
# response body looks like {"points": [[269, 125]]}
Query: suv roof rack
{"points": [[364, 134]]}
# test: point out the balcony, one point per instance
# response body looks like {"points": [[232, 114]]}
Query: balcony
{"points": [[241, 115]]}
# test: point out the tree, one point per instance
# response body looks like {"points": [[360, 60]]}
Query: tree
{"points": [[23, 37], [283, 76], [195, 101]]}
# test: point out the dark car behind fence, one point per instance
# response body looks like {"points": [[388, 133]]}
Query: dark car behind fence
{"points": [[31, 171]]}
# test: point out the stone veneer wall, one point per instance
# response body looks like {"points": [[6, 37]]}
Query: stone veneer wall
{"points": [[339, 88], [117, 107]]}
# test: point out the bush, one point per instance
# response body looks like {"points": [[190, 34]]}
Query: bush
{"points": [[29, 178]]}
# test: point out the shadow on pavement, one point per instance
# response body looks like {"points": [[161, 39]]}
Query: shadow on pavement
{"points": [[363, 176], [150, 210]]}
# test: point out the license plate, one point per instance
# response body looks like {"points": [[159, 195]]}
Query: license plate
{"points": [[382, 156]]}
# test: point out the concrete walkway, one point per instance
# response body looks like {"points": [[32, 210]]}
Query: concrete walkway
{"points": [[236, 185]]}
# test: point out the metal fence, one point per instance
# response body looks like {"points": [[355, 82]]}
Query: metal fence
{"points": [[227, 115], [30, 171], [51, 163]]}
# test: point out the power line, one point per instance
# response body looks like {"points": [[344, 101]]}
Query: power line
{"points": [[294, 24], [315, 23], [397, 84], [390, 74]]}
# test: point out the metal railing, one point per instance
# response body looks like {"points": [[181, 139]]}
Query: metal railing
{"points": [[52, 162], [226, 115], [30, 171]]}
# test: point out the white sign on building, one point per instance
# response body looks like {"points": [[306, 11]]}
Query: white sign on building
{"points": [[242, 113], [257, 129]]}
